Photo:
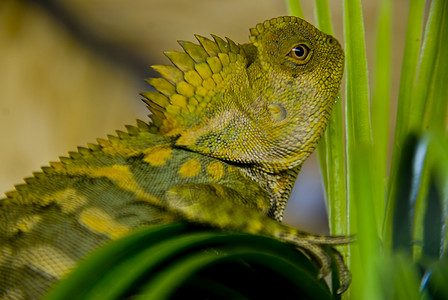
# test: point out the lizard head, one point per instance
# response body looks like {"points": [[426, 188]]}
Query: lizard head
{"points": [[264, 103]]}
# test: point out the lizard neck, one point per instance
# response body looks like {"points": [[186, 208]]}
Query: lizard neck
{"points": [[278, 185]]}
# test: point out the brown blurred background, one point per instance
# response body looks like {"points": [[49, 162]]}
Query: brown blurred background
{"points": [[71, 71]]}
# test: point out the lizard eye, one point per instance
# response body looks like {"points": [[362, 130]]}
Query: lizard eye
{"points": [[300, 53]]}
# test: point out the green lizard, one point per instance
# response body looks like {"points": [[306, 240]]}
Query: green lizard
{"points": [[231, 126]]}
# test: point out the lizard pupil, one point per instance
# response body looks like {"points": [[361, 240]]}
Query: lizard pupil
{"points": [[299, 52]]}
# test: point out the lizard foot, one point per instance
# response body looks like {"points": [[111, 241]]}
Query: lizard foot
{"points": [[316, 248]]}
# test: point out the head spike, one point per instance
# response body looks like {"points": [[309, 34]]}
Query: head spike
{"points": [[162, 85], [171, 73], [181, 60], [209, 46], [157, 98], [74, 155], [84, 151], [142, 125], [196, 52], [132, 130], [233, 47], [223, 45], [122, 135]]}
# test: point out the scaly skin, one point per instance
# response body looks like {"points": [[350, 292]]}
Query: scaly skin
{"points": [[231, 127]]}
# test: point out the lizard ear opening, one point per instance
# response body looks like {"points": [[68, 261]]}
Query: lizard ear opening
{"points": [[277, 112]]}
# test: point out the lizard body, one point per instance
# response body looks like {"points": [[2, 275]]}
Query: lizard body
{"points": [[231, 126]]}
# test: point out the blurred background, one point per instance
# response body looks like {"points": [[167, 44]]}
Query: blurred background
{"points": [[72, 71]]}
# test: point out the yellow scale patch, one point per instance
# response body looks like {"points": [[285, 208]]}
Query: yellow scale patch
{"points": [[215, 171], [26, 223], [98, 221], [158, 155], [121, 175], [68, 199], [45, 259], [190, 168]]}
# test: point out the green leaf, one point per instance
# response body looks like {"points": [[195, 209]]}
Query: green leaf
{"points": [[167, 261], [433, 223], [402, 211], [89, 273], [430, 187]]}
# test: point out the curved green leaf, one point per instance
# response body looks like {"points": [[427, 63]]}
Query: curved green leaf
{"points": [[162, 261]]}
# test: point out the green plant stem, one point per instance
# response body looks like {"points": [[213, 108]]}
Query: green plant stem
{"points": [[323, 17], [436, 110], [426, 66], [362, 219], [294, 8], [380, 107]]}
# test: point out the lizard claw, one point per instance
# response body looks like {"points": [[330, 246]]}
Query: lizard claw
{"points": [[345, 278], [316, 248], [325, 261]]}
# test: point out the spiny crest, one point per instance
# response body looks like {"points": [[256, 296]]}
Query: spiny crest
{"points": [[190, 88], [84, 153]]}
